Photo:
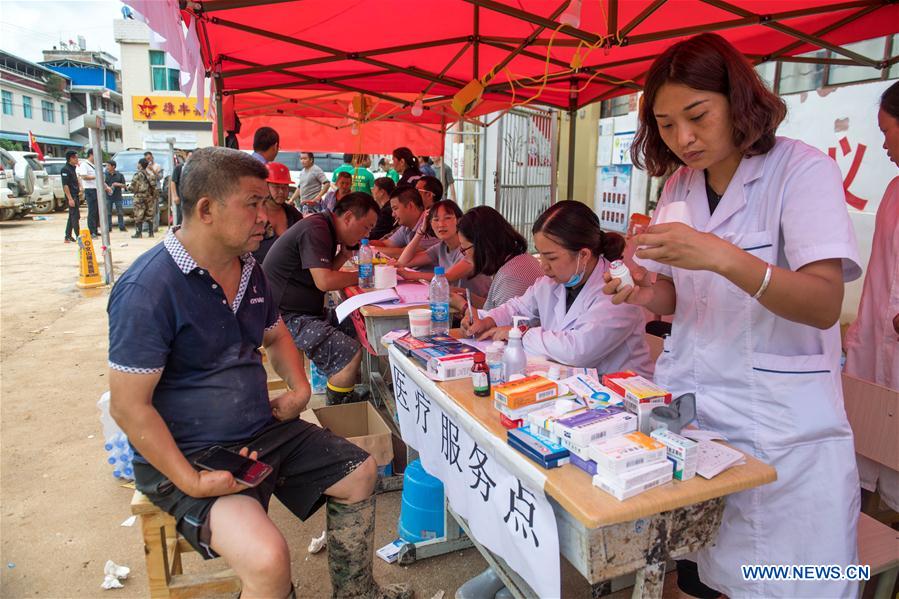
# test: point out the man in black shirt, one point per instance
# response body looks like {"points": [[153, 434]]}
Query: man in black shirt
{"points": [[115, 183], [69, 176], [304, 264]]}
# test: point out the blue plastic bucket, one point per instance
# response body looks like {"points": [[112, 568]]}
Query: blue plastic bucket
{"points": [[421, 512]]}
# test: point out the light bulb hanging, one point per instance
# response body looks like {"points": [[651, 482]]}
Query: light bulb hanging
{"points": [[572, 14], [418, 107]]}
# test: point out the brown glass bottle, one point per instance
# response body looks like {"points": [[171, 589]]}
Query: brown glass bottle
{"points": [[480, 376]]}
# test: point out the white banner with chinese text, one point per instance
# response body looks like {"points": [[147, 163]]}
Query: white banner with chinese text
{"points": [[498, 491]]}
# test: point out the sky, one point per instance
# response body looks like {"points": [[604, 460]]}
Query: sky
{"points": [[29, 26]]}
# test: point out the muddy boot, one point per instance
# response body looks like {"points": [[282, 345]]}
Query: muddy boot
{"points": [[137, 232], [351, 536], [335, 396]]}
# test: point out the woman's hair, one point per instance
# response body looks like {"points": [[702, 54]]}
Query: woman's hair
{"points": [[707, 62], [575, 226], [495, 240], [386, 184], [889, 101], [405, 154], [445, 206]]}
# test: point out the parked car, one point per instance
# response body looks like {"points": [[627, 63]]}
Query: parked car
{"points": [[29, 168], [15, 195], [53, 166], [126, 163]]}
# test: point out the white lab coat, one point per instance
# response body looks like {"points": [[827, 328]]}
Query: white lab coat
{"points": [[770, 385], [594, 333], [872, 345]]}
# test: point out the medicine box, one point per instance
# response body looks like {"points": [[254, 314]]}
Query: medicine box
{"points": [[627, 452], [585, 427], [526, 391], [621, 494], [588, 466], [636, 477], [520, 413], [542, 419], [542, 451], [630, 385], [678, 447]]}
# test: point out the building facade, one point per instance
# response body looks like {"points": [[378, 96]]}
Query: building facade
{"points": [[155, 110], [95, 87], [34, 98]]}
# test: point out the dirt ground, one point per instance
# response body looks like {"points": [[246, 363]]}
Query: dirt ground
{"points": [[61, 509]]}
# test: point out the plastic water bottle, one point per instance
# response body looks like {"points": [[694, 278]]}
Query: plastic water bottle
{"points": [[514, 358], [495, 362], [438, 295], [366, 270], [119, 453], [318, 381]]}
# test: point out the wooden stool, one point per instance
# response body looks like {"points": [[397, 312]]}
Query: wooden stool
{"points": [[163, 548]]}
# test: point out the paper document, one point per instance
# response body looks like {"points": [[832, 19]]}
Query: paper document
{"points": [[715, 458], [350, 304]]}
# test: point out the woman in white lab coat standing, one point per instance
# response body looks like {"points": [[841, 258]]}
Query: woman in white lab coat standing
{"points": [[579, 325], [753, 273]]}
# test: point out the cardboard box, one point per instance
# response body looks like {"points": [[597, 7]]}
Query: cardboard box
{"points": [[362, 425]]}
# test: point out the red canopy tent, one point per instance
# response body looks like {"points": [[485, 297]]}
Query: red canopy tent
{"points": [[515, 50]]}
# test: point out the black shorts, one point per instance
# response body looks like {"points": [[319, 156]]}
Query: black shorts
{"points": [[306, 460], [331, 347]]}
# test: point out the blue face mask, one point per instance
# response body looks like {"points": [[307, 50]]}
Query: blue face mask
{"points": [[577, 277]]}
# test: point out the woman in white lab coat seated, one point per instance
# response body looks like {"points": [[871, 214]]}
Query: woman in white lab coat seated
{"points": [[579, 325], [752, 244], [872, 342]]}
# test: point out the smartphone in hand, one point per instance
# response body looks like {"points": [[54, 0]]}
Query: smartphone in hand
{"points": [[246, 471]]}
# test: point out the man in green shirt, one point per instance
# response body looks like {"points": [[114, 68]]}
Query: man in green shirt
{"points": [[363, 180], [387, 167]]}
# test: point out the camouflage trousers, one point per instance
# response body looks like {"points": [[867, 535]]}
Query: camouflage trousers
{"points": [[144, 209]]}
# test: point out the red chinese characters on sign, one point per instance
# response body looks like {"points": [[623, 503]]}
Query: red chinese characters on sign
{"points": [[184, 109], [851, 199], [168, 108]]}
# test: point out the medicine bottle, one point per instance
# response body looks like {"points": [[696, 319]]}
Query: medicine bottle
{"points": [[480, 376]]}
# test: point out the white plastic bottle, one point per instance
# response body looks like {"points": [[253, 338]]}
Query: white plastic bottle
{"points": [[514, 358], [438, 296], [366, 270], [495, 362], [619, 270]]}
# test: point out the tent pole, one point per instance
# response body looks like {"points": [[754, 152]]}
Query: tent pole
{"points": [[572, 130], [219, 116]]}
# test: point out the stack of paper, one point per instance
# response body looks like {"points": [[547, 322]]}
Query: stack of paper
{"points": [[715, 458]]}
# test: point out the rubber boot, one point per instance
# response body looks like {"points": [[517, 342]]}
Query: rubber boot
{"points": [[351, 539], [485, 584], [335, 396], [137, 231], [150, 227]]}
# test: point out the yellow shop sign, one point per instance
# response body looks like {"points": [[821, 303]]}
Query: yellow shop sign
{"points": [[167, 108]]}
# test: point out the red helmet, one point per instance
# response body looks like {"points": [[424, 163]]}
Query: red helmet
{"points": [[278, 174]]}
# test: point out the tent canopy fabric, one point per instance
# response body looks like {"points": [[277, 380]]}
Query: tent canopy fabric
{"points": [[519, 51]]}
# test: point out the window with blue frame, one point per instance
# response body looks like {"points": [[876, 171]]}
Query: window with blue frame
{"points": [[7, 102], [26, 106], [47, 111]]}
